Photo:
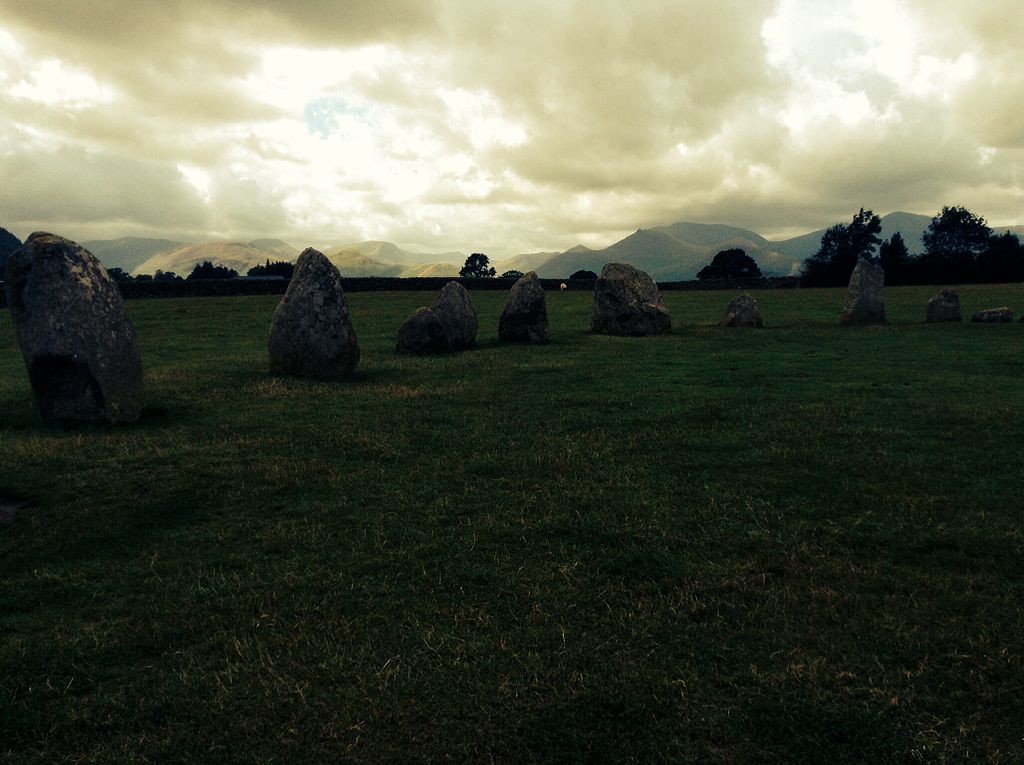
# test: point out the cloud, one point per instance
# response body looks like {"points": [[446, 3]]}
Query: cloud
{"points": [[513, 127]]}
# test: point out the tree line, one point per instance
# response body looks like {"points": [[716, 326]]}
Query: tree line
{"points": [[959, 248]]}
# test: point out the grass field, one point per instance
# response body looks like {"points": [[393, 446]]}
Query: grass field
{"points": [[796, 544]]}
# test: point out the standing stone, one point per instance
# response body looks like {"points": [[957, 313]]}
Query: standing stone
{"points": [[864, 303], [423, 334], [742, 311], [524, 318], [455, 310], [944, 307], [81, 351], [993, 315], [627, 302], [311, 334]]}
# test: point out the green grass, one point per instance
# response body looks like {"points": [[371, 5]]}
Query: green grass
{"points": [[796, 544]]}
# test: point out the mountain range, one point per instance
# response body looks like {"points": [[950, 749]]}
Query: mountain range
{"points": [[673, 252]]}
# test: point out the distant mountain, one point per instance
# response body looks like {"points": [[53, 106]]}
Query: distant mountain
{"points": [[910, 225], [527, 262], [129, 252], [236, 255], [672, 253], [353, 263], [8, 244], [276, 248], [389, 253]]}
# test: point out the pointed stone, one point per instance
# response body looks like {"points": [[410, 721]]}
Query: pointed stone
{"points": [[81, 350], [311, 334], [864, 302], [742, 311], [524, 318], [944, 307], [627, 302], [423, 334], [455, 310]]}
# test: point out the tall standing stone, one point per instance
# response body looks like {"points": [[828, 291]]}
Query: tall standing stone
{"points": [[311, 334], [944, 307], [524, 318], [864, 303], [455, 310], [627, 302], [81, 350], [742, 311]]}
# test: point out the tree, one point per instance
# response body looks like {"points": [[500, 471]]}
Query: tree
{"points": [[119, 275], [584, 274], [166, 276], [730, 264], [478, 266], [895, 259], [280, 268], [206, 270], [841, 247], [1002, 261], [953, 241], [513, 274]]}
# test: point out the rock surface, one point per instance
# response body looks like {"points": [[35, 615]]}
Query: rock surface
{"points": [[993, 315], [81, 350], [627, 302], [524, 318], [311, 334], [864, 303], [944, 307], [454, 308], [742, 311], [423, 334]]}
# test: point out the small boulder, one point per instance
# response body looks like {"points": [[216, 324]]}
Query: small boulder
{"points": [[864, 303], [524, 318], [993, 315], [311, 334], [454, 308], [742, 311], [944, 307], [627, 302], [80, 348], [423, 334]]}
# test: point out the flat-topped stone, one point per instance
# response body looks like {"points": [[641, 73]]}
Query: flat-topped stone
{"points": [[993, 315], [627, 302], [423, 334], [945, 306], [742, 311]]}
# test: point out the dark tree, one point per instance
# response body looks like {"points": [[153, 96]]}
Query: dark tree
{"points": [[1002, 261], [478, 266], [166, 276], [513, 274], [278, 268], [583, 274], [145, 278], [119, 275], [953, 241], [895, 259], [730, 264], [841, 246], [206, 270]]}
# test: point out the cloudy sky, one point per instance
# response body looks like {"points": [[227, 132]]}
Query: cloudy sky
{"points": [[502, 127]]}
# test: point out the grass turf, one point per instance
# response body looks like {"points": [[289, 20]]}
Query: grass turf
{"points": [[795, 544]]}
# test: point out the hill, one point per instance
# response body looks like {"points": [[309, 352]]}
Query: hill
{"points": [[276, 248], [910, 225], [354, 262], [129, 252], [672, 253], [236, 255]]}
